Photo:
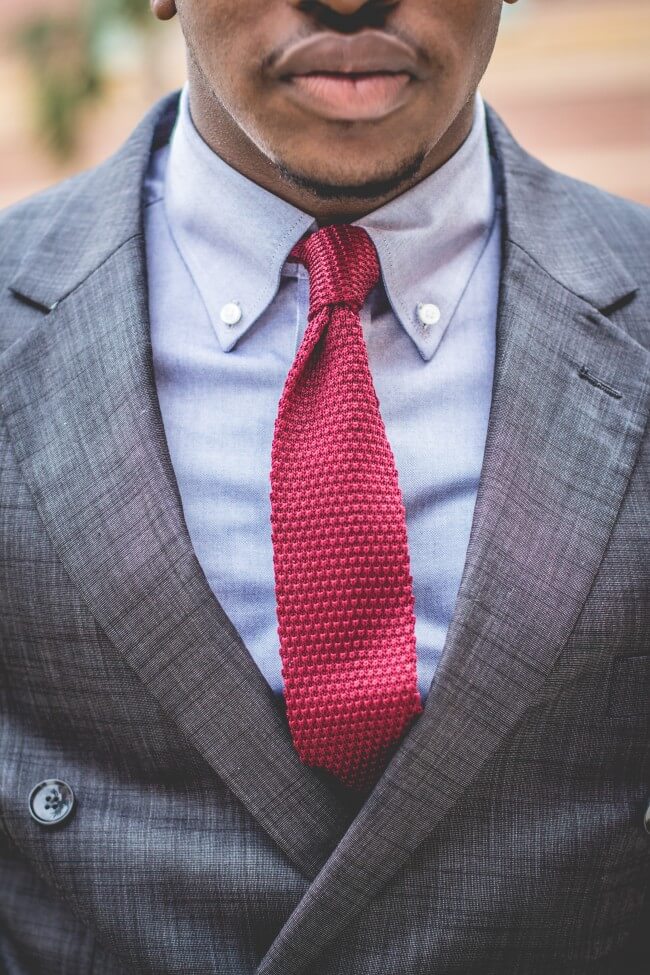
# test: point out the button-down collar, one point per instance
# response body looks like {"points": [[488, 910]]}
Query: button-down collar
{"points": [[235, 236]]}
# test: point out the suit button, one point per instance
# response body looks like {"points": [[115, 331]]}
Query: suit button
{"points": [[51, 802], [646, 819]]}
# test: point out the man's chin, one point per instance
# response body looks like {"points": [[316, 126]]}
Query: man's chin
{"points": [[347, 186]]}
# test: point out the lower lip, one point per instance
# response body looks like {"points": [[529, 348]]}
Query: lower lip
{"points": [[353, 98]]}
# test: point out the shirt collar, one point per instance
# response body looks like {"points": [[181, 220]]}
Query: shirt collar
{"points": [[235, 236]]}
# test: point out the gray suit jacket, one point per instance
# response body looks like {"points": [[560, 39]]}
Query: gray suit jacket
{"points": [[507, 834]]}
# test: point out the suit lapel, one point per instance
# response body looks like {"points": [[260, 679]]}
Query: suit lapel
{"points": [[558, 458], [79, 400]]}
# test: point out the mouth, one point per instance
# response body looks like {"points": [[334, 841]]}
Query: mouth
{"points": [[350, 96], [363, 76]]}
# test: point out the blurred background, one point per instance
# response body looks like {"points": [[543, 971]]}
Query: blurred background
{"points": [[571, 78]]}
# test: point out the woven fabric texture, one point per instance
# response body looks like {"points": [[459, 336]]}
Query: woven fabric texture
{"points": [[343, 583]]}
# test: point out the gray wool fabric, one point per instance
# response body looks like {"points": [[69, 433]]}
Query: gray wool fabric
{"points": [[199, 843]]}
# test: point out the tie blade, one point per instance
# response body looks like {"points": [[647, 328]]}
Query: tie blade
{"points": [[344, 591]]}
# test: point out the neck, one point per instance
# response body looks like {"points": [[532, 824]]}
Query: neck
{"points": [[219, 130]]}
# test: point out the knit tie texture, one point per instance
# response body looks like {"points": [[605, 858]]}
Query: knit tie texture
{"points": [[343, 586]]}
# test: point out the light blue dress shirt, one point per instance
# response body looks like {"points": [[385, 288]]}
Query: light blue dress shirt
{"points": [[217, 247]]}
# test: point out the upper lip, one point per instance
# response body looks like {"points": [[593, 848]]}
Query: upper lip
{"points": [[368, 52]]}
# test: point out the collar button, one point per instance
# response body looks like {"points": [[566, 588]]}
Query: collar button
{"points": [[231, 313], [428, 313]]}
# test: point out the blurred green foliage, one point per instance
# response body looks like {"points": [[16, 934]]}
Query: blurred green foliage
{"points": [[65, 55]]}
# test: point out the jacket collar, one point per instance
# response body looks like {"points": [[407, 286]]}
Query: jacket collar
{"points": [[100, 211], [546, 220]]}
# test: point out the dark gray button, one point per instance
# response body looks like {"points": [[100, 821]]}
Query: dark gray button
{"points": [[646, 819], [51, 802]]}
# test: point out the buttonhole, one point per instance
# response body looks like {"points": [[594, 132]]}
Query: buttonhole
{"points": [[584, 373]]}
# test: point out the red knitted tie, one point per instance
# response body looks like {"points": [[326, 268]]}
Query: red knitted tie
{"points": [[342, 576]]}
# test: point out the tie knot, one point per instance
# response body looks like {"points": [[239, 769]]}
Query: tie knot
{"points": [[342, 263]]}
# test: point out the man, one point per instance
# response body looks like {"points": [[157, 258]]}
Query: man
{"points": [[323, 519]]}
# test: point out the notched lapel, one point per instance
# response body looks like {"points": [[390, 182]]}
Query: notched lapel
{"points": [[79, 401], [559, 454]]}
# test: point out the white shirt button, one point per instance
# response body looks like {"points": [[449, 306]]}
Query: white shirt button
{"points": [[428, 313], [231, 313]]}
